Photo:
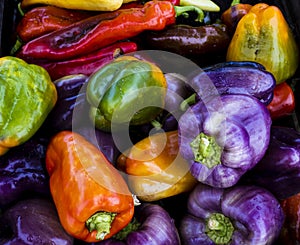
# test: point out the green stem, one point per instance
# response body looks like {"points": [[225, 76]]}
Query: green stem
{"points": [[206, 150], [188, 101], [101, 222], [219, 228], [183, 10], [206, 5], [235, 2]]}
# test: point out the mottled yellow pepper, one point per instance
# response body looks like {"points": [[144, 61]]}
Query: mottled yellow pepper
{"points": [[264, 36]]}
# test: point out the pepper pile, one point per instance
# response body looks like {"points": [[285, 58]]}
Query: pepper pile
{"points": [[109, 126]]}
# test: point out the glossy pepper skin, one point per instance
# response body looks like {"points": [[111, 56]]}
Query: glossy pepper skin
{"points": [[32, 221], [127, 90], [87, 64], [224, 137], [290, 233], [91, 34], [236, 77], [236, 215], [283, 102], [41, 20], [190, 41], [152, 225], [92, 199], [259, 38], [22, 171], [155, 169], [279, 171], [27, 96]]}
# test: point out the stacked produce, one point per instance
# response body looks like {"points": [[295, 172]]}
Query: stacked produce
{"points": [[150, 122]]}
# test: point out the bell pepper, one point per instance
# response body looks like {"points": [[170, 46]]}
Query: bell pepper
{"points": [[127, 90], [155, 169], [242, 214], [235, 77], [259, 36], [45, 19], [27, 96], [279, 169], [151, 224], [283, 102], [290, 232], [231, 16], [93, 33], [86, 64], [223, 137], [92, 199], [22, 171], [93, 5], [32, 221]]}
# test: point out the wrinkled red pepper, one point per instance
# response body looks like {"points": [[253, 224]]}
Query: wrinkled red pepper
{"points": [[87, 64], [283, 102], [45, 19], [89, 35]]}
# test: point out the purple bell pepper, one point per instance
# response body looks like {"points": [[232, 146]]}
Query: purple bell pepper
{"points": [[279, 169], [32, 221], [152, 225], [22, 171], [236, 215], [224, 138]]}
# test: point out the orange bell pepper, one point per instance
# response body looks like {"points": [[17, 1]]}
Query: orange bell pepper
{"points": [[92, 199], [155, 169]]}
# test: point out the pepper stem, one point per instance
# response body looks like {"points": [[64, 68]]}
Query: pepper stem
{"points": [[219, 228], [235, 2], [183, 10], [206, 150], [206, 5], [101, 222]]}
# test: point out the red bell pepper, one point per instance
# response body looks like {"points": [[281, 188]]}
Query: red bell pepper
{"points": [[283, 102]]}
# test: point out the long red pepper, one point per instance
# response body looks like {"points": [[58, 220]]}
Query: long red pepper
{"points": [[89, 35], [87, 64]]}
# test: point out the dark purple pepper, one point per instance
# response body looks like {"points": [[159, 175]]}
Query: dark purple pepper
{"points": [[22, 171], [153, 225], [279, 169], [234, 216], [32, 221], [235, 78], [224, 138]]}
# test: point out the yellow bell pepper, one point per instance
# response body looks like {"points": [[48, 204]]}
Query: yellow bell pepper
{"points": [[155, 169], [93, 5], [264, 36]]}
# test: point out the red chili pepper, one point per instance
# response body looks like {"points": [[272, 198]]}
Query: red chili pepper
{"points": [[87, 64], [42, 20], [283, 102], [89, 35]]}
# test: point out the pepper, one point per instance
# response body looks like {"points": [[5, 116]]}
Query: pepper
{"points": [[127, 90], [242, 214], [45, 19], [155, 169], [152, 224], [279, 169], [87, 64], [22, 171], [283, 102], [92, 199], [190, 41], [290, 232], [259, 38], [231, 16], [27, 97], [224, 137], [94, 5], [94, 33], [32, 221]]}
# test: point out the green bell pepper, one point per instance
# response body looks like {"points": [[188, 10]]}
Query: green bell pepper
{"points": [[127, 90], [27, 95]]}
